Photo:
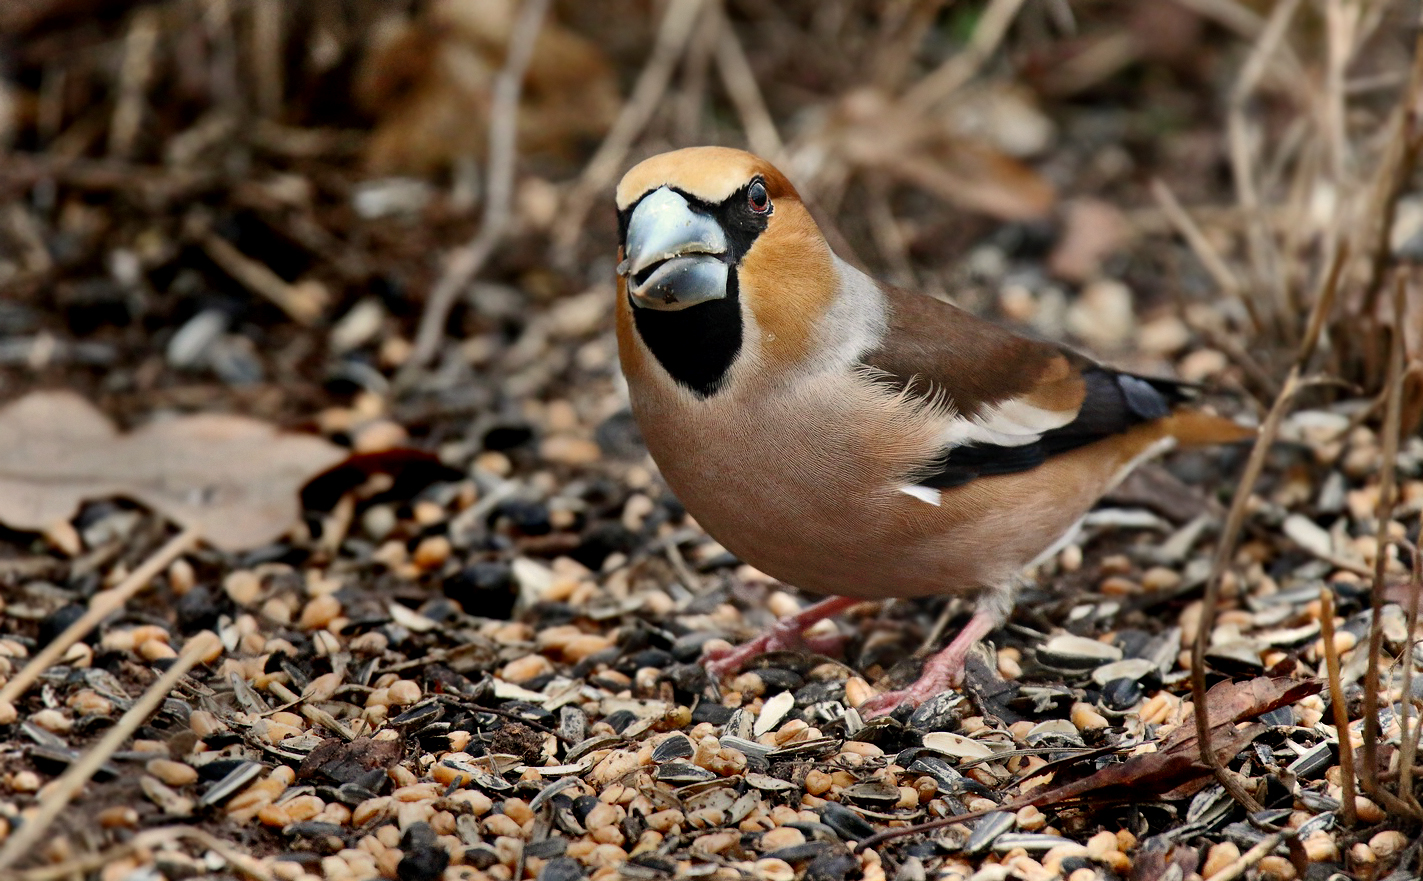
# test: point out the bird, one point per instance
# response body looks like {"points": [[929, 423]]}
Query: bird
{"points": [[851, 438]]}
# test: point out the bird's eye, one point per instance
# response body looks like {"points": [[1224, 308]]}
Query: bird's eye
{"points": [[757, 197]]}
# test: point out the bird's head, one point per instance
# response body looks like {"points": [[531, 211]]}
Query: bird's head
{"points": [[717, 254]]}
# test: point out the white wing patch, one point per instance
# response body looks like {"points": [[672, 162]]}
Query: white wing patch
{"points": [[923, 493], [1013, 423]]}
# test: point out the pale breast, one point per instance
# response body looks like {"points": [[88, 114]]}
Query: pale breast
{"points": [[804, 483]]}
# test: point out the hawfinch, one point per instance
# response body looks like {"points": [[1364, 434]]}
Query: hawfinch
{"points": [[848, 437]]}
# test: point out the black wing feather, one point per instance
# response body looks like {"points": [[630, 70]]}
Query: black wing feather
{"points": [[1114, 403]]}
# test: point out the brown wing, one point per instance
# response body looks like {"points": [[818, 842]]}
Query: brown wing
{"points": [[1017, 401]]}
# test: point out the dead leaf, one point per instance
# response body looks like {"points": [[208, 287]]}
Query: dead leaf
{"points": [[340, 762], [871, 131], [429, 84], [236, 479], [1175, 770], [1231, 701]]}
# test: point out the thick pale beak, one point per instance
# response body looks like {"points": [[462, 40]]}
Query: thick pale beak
{"points": [[675, 256]]}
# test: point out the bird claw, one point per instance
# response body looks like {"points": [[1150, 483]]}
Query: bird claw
{"points": [[940, 675], [724, 662], [721, 662]]}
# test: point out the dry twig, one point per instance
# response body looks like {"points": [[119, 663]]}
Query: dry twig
{"points": [[740, 82], [143, 841], [100, 607], [465, 263], [1264, 257], [1230, 536], [672, 38], [62, 790], [1242, 863], [1341, 709], [1408, 750], [1383, 515]]}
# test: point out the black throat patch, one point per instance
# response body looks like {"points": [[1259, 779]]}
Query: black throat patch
{"points": [[696, 345]]}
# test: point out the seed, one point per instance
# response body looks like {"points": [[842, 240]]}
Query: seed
{"points": [[608, 835], [156, 650], [498, 824], [1220, 855], [526, 668], [205, 724], [171, 772], [1361, 856], [1086, 717], [1320, 847], [1030, 819], [706, 818], [415, 791], [1009, 668], [857, 691], [665, 821], [517, 810], [774, 870], [53, 721], [1387, 843], [1368, 810], [1276, 868], [860, 748], [319, 612], [379, 435], [432, 552], [304, 807], [715, 842], [181, 576], [601, 815], [1101, 844], [118, 817], [1118, 586], [783, 836], [242, 587], [585, 644], [404, 692], [370, 809], [1160, 578]]}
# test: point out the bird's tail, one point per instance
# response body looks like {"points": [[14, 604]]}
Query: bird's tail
{"points": [[1195, 428]]}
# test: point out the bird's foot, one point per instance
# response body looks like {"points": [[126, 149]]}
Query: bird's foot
{"points": [[788, 633], [935, 680], [942, 672]]}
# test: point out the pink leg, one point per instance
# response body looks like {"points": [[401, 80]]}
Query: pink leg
{"points": [[941, 672], [785, 634]]}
